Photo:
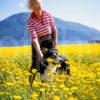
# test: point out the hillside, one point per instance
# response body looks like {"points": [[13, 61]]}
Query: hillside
{"points": [[13, 29]]}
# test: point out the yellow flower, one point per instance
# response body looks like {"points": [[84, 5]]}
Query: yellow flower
{"points": [[16, 97], [98, 80], [56, 98], [66, 89], [34, 95], [41, 89], [27, 73], [62, 86], [67, 62], [74, 88], [10, 84], [72, 98], [35, 84], [34, 70]]}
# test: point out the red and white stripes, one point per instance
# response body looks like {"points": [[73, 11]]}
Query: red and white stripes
{"points": [[40, 27]]}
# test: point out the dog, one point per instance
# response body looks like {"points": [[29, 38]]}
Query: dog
{"points": [[48, 66], [58, 59]]}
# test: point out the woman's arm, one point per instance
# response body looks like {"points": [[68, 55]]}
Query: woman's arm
{"points": [[55, 38], [54, 32], [33, 36], [37, 47]]}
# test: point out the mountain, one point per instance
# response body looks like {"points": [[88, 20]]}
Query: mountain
{"points": [[13, 31], [70, 32]]}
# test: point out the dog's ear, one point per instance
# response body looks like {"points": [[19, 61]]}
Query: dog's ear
{"points": [[63, 58], [51, 53], [48, 54], [54, 51]]}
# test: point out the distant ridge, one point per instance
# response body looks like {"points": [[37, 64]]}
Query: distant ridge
{"points": [[13, 31]]}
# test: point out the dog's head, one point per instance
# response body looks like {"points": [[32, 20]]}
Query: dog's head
{"points": [[50, 53]]}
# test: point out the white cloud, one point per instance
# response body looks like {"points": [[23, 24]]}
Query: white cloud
{"points": [[22, 5]]}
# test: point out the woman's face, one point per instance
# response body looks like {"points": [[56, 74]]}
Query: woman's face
{"points": [[35, 5]]}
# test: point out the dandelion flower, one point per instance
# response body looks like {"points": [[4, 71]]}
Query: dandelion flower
{"points": [[56, 98]]}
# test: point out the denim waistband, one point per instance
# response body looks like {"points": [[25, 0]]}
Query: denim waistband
{"points": [[45, 37]]}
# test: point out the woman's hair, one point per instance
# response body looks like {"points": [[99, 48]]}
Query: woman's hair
{"points": [[32, 2]]}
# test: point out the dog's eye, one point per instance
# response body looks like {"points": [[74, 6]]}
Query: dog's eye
{"points": [[54, 63], [54, 56]]}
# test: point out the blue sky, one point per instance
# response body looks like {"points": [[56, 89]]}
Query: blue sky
{"points": [[86, 12]]}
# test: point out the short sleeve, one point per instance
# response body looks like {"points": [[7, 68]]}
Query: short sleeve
{"points": [[52, 23], [31, 29]]}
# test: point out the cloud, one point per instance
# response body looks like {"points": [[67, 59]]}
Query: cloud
{"points": [[22, 5]]}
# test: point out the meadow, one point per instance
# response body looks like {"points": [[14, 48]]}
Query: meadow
{"points": [[83, 84]]}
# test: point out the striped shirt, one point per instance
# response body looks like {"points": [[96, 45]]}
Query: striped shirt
{"points": [[40, 27]]}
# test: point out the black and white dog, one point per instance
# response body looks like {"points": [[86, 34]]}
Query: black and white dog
{"points": [[58, 59], [48, 66]]}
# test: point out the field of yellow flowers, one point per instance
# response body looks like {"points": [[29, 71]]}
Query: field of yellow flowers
{"points": [[83, 84]]}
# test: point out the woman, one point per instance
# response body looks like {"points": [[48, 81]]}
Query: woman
{"points": [[42, 30]]}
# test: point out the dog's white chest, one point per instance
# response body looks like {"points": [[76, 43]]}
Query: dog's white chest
{"points": [[49, 73]]}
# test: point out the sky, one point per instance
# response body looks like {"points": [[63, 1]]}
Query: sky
{"points": [[86, 12]]}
